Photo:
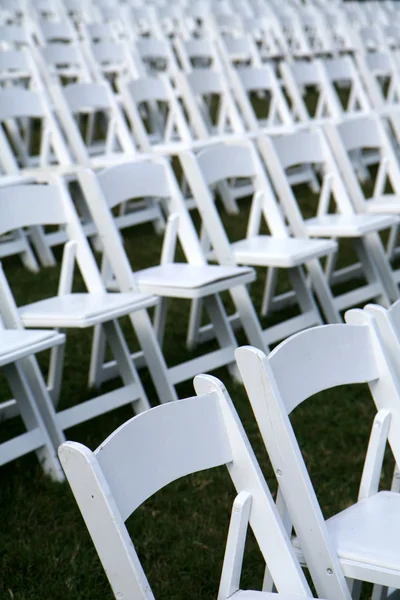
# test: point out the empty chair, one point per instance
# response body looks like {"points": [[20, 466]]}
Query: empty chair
{"points": [[368, 134], [155, 116], [321, 103], [277, 250], [108, 60], [379, 72], [32, 401], [156, 55], [38, 205], [261, 100], [49, 32], [98, 134], [191, 279], [63, 63], [19, 110], [331, 214], [201, 87], [342, 72], [32, 144], [197, 53], [18, 68], [360, 542], [162, 445]]}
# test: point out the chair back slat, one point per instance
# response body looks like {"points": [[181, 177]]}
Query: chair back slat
{"points": [[172, 440]]}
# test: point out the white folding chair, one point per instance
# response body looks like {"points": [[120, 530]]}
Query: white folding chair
{"points": [[63, 63], [32, 401], [360, 542], [380, 75], [39, 205], [17, 68], [17, 108], [197, 53], [357, 135], [312, 96], [157, 56], [278, 250], [170, 279], [99, 136], [214, 115], [108, 60], [294, 33], [32, 144], [260, 99], [334, 215], [342, 72], [60, 31], [156, 119], [152, 450], [257, 89]]}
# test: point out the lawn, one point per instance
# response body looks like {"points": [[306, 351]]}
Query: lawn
{"points": [[45, 550]]}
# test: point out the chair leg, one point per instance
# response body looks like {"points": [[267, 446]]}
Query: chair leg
{"points": [[391, 244], [33, 420], [230, 204], [323, 292], [248, 317], [160, 318], [97, 357], [303, 294], [192, 338], [43, 250], [223, 330], [370, 269], [269, 290], [374, 245], [27, 256], [153, 355], [355, 586], [126, 366], [56, 369], [42, 398]]}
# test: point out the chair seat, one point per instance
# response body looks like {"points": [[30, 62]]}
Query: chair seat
{"points": [[19, 343], [82, 310], [181, 280], [368, 532], [264, 250], [351, 226], [387, 204]]}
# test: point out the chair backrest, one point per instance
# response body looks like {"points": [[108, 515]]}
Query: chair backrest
{"points": [[17, 108], [297, 77], [273, 111], [210, 105], [131, 181], [92, 121], [156, 448], [197, 53], [17, 67], [33, 205], [217, 163], [157, 55], [380, 76], [304, 148], [305, 364], [108, 60], [358, 134], [56, 31], [154, 114], [342, 71], [64, 62]]}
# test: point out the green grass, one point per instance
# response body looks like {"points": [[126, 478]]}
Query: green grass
{"points": [[45, 550]]}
